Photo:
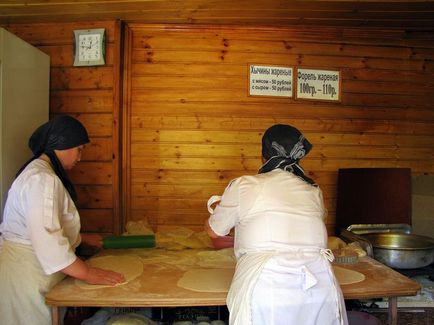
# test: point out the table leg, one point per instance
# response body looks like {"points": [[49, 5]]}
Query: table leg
{"points": [[393, 310], [54, 315]]}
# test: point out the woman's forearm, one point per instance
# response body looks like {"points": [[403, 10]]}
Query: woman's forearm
{"points": [[209, 231], [93, 275], [78, 269]]}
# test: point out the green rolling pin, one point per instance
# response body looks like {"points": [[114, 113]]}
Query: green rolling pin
{"points": [[142, 241]]}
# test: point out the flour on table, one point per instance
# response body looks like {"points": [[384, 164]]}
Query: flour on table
{"points": [[223, 258], [130, 266], [345, 276], [207, 280]]}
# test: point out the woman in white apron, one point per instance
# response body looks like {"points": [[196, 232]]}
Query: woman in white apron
{"points": [[283, 273], [41, 226]]}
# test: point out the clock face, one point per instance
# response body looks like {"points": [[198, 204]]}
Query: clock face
{"points": [[89, 47]]}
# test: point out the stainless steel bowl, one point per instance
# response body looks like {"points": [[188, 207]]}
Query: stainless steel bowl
{"points": [[402, 251]]}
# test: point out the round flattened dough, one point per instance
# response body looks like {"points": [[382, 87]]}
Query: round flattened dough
{"points": [[345, 276], [130, 266], [207, 280]]}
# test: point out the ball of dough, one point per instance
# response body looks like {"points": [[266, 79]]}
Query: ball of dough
{"points": [[335, 243]]}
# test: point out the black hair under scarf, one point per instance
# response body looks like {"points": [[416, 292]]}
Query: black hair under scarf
{"points": [[283, 146], [60, 133]]}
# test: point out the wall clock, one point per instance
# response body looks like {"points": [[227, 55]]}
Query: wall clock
{"points": [[89, 47]]}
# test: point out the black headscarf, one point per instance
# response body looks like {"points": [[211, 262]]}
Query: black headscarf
{"points": [[282, 147], [60, 133]]}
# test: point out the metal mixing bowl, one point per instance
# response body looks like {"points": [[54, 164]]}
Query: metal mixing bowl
{"points": [[402, 251]]}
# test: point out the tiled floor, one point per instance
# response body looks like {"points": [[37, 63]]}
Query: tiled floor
{"points": [[419, 316]]}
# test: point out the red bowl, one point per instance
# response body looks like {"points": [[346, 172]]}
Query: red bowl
{"points": [[223, 242]]}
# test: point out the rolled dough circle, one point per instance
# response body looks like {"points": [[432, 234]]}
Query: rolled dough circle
{"points": [[130, 266], [207, 280], [345, 276]]}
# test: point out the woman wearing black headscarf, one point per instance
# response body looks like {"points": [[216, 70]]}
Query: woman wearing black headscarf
{"points": [[41, 226], [283, 273]]}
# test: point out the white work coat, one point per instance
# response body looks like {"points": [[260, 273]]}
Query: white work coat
{"points": [[283, 273], [39, 212], [41, 229]]}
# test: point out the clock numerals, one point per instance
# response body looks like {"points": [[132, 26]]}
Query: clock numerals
{"points": [[89, 47]]}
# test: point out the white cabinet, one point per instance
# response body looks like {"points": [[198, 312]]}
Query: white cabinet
{"points": [[24, 103]]}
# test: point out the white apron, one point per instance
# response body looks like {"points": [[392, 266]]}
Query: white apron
{"points": [[20, 272], [296, 287]]}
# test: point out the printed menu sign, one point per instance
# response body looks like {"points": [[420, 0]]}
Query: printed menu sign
{"points": [[318, 84], [270, 81]]}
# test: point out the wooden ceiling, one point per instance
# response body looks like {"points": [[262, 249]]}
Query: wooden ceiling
{"points": [[402, 14]]}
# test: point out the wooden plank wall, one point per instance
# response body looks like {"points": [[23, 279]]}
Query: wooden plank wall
{"points": [[90, 94], [190, 127]]}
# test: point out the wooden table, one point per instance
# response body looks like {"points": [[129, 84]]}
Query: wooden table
{"points": [[380, 282], [157, 286]]}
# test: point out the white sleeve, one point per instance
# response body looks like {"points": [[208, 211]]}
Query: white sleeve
{"points": [[322, 206], [227, 212], [44, 196]]}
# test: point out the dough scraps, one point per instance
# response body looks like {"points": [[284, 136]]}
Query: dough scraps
{"points": [[335, 243], [179, 238], [345, 276], [130, 266], [207, 280]]}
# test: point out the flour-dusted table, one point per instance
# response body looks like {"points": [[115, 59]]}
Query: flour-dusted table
{"points": [[157, 285]]}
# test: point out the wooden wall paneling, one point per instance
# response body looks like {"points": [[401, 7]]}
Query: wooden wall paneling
{"points": [[251, 165], [93, 172], [81, 78], [207, 151], [81, 101], [126, 173], [41, 34], [99, 220], [118, 221], [62, 55], [192, 127], [142, 124], [95, 196], [415, 39], [280, 109], [91, 94], [396, 86], [379, 14], [222, 55], [100, 149]]}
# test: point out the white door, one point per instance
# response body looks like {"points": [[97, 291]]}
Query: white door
{"points": [[24, 103]]}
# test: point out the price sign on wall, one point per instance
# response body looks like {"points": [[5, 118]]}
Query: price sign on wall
{"points": [[270, 81], [318, 84]]}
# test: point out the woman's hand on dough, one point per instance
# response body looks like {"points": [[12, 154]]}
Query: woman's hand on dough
{"points": [[99, 276], [92, 275]]}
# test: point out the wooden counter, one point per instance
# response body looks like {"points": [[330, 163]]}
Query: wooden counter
{"points": [[381, 281], [157, 286]]}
